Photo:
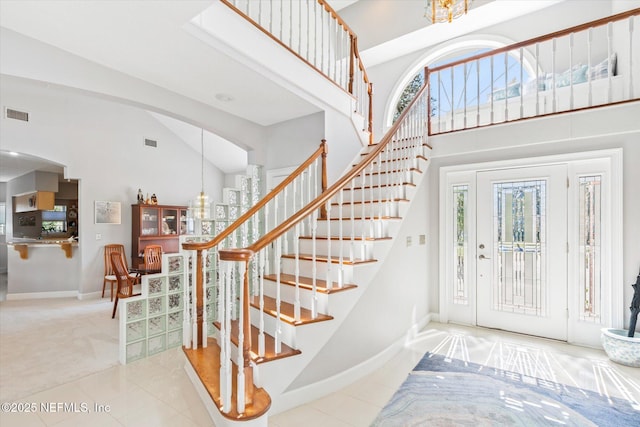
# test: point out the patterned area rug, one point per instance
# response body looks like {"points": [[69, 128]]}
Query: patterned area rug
{"points": [[442, 391]]}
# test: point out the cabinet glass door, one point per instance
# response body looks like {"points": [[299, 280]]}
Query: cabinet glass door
{"points": [[169, 221], [186, 223], [149, 221]]}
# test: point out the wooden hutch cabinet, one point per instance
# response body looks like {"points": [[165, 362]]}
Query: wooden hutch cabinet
{"points": [[156, 225]]}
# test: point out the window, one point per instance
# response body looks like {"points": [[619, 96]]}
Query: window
{"points": [[55, 221], [3, 219]]}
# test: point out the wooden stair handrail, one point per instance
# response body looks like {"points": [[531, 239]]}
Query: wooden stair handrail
{"points": [[355, 53], [318, 202], [321, 151], [546, 37]]}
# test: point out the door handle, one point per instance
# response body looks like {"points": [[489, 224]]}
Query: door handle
{"points": [[483, 257]]}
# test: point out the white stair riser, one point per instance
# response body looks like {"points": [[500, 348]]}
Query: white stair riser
{"points": [[288, 293], [377, 193], [287, 331], [392, 164], [392, 178], [403, 150], [365, 210], [322, 272], [348, 247], [368, 228]]}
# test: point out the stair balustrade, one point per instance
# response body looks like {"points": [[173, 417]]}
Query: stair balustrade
{"points": [[315, 33], [573, 69], [216, 296], [317, 246]]}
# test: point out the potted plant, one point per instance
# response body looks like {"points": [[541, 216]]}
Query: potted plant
{"points": [[620, 345]]}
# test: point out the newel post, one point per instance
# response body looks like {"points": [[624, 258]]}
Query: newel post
{"points": [[325, 151], [351, 61], [245, 372], [199, 298]]}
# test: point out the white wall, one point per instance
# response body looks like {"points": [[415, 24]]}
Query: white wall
{"points": [[292, 142], [395, 301], [101, 144], [602, 128]]}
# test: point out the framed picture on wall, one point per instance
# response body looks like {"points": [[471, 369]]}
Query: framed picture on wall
{"points": [[107, 212]]}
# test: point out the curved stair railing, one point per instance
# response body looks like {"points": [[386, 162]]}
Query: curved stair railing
{"points": [[305, 251], [315, 33]]}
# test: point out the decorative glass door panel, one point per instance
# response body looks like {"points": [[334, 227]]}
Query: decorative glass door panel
{"points": [[521, 250], [519, 238]]}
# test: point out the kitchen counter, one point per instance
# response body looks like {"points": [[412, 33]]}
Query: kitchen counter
{"points": [[22, 245], [42, 268]]}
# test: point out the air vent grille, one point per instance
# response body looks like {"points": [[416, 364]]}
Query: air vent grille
{"points": [[17, 115], [150, 143]]}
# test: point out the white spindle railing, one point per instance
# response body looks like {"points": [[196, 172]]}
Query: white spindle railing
{"points": [[229, 292], [394, 162], [582, 67], [314, 32]]}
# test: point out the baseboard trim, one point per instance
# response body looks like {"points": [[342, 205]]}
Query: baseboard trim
{"points": [[322, 388], [42, 295], [90, 295]]}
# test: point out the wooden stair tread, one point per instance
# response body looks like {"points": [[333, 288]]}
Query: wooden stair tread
{"points": [[347, 238], [393, 171], [287, 311], [358, 218], [334, 260], [307, 283], [359, 202], [378, 186], [206, 364], [395, 159], [269, 344]]}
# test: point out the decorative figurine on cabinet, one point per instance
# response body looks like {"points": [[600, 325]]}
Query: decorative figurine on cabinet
{"points": [[140, 197], [154, 199]]}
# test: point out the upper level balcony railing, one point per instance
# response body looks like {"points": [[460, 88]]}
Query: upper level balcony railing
{"points": [[586, 66], [315, 33]]}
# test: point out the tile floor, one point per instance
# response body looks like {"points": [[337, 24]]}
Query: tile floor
{"points": [[157, 392]]}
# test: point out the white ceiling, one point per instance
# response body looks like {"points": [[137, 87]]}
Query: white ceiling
{"points": [[146, 39]]}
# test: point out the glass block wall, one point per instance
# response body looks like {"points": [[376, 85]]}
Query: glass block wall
{"points": [[152, 322]]}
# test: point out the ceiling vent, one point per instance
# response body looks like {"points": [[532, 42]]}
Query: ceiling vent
{"points": [[17, 115], [150, 143]]}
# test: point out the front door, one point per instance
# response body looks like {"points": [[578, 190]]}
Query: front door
{"points": [[521, 250]]}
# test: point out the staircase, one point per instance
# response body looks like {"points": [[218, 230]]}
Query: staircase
{"points": [[263, 306], [281, 298]]}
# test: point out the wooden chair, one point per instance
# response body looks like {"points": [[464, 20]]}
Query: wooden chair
{"points": [[109, 275], [153, 257], [124, 279]]}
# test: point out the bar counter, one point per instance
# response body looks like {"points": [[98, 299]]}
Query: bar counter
{"points": [[42, 268]]}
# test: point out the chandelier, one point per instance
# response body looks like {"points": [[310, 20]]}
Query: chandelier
{"points": [[445, 10], [201, 205]]}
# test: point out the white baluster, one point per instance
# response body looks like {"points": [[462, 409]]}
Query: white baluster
{"points": [[314, 267], [631, 55], [186, 320], [353, 222], [194, 302], [205, 317], [329, 280], [278, 263], [261, 265], [225, 327], [553, 76], [240, 382], [340, 239], [609, 53], [477, 94], [296, 246], [571, 70]]}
